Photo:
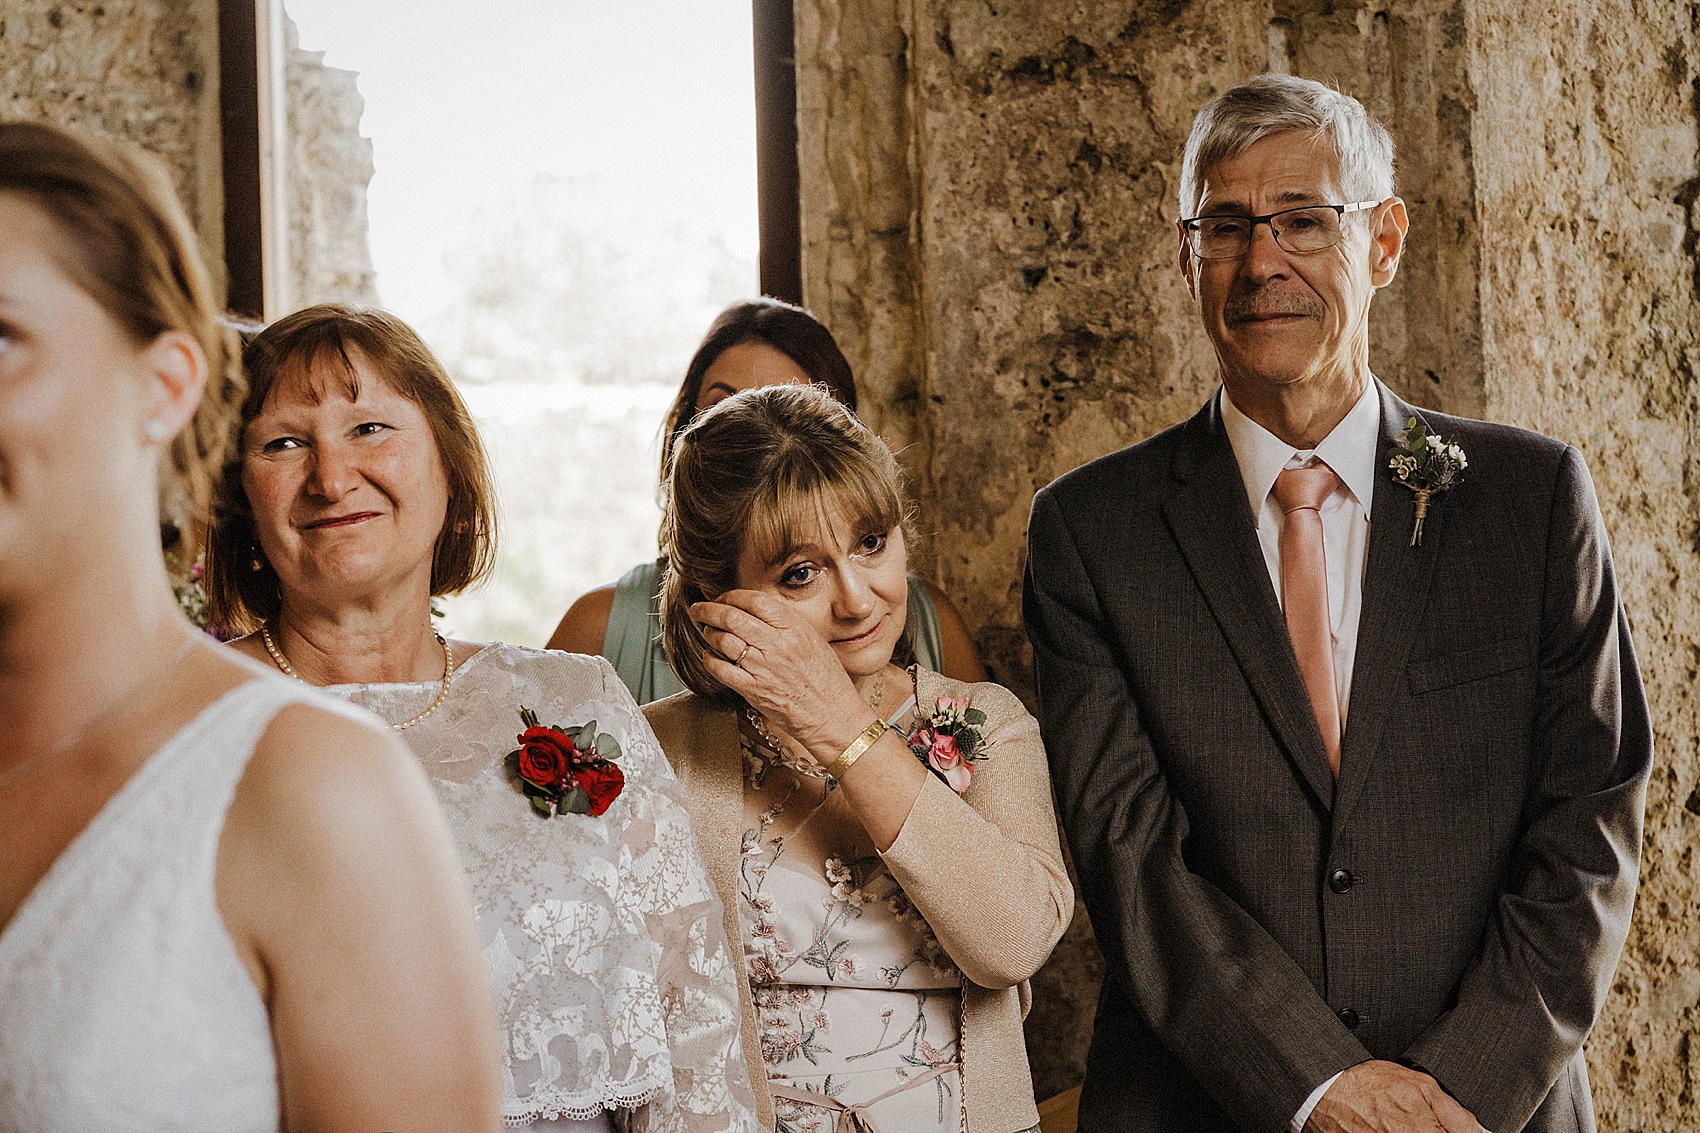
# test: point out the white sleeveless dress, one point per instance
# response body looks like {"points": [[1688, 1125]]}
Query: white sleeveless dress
{"points": [[124, 1006]]}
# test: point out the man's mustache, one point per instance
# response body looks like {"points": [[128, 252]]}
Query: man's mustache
{"points": [[1264, 302]]}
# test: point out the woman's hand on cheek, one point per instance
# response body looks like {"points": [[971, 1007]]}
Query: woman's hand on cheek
{"points": [[789, 673]]}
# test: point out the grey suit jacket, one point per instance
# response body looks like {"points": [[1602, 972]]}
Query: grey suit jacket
{"points": [[1457, 901]]}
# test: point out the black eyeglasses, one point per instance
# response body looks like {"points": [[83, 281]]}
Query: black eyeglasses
{"points": [[1308, 228]]}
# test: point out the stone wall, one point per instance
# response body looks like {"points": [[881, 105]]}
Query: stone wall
{"points": [[989, 194], [859, 205], [1585, 141], [330, 166], [146, 70]]}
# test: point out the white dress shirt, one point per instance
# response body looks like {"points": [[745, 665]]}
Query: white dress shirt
{"points": [[1351, 451]]}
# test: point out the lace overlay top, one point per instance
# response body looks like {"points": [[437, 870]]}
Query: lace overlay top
{"points": [[126, 1005], [603, 935]]}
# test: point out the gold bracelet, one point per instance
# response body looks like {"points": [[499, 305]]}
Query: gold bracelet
{"points": [[870, 736]]}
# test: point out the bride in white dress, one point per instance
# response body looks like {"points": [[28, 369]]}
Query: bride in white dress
{"points": [[226, 903], [363, 494]]}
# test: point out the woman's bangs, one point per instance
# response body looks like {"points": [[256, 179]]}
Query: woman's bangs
{"points": [[797, 510], [315, 368]]}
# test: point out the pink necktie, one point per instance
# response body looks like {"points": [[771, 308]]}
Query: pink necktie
{"points": [[1304, 593]]}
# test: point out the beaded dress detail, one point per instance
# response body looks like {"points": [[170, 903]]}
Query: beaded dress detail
{"points": [[613, 980]]}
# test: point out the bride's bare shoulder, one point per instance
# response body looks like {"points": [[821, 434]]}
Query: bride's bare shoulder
{"points": [[319, 757], [332, 813], [337, 874]]}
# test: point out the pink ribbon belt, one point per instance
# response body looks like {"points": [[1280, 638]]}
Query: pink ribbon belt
{"points": [[857, 1114]]}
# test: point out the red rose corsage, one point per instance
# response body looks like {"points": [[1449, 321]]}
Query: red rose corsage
{"points": [[566, 770], [950, 742]]}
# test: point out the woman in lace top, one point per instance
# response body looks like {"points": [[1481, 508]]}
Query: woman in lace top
{"points": [[226, 903], [883, 838], [360, 493]]}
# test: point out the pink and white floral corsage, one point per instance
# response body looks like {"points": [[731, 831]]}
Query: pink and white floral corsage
{"points": [[951, 742]]}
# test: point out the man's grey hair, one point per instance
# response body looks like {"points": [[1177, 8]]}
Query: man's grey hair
{"points": [[1239, 118]]}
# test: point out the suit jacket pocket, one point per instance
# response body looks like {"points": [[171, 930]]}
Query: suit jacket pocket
{"points": [[1465, 665]]}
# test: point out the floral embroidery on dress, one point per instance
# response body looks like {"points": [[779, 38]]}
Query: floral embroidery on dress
{"points": [[928, 950], [793, 1025], [855, 999], [852, 886], [796, 1023]]}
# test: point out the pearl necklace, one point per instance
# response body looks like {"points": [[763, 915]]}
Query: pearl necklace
{"points": [[773, 750], [282, 663]]}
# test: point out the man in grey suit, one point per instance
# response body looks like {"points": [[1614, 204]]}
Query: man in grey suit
{"points": [[1356, 809]]}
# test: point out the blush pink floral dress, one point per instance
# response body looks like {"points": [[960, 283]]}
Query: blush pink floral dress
{"points": [[857, 1004]]}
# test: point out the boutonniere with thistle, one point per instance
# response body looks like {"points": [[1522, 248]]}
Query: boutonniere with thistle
{"points": [[950, 742], [566, 770], [1426, 464]]}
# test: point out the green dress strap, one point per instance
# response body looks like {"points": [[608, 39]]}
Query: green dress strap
{"points": [[632, 642], [923, 626]]}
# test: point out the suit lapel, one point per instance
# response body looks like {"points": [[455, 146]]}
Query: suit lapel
{"points": [[1396, 582], [1217, 536]]}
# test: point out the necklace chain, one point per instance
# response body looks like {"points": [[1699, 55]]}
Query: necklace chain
{"points": [[777, 751], [783, 755], [773, 750], [283, 664], [65, 743]]}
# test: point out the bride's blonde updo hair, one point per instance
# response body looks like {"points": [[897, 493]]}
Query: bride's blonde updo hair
{"points": [[126, 242], [762, 470]]}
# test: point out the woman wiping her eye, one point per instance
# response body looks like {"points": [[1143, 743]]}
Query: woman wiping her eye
{"points": [[882, 837], [751, 345]]}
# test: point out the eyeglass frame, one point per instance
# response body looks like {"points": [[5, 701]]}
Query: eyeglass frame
{"points": [[1188, 232]]}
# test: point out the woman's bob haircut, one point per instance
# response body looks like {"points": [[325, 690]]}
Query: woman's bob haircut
{"points": [[763, 471], [317, 346]]}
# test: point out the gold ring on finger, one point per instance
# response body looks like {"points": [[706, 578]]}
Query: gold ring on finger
{"points": [[739, 659]]}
